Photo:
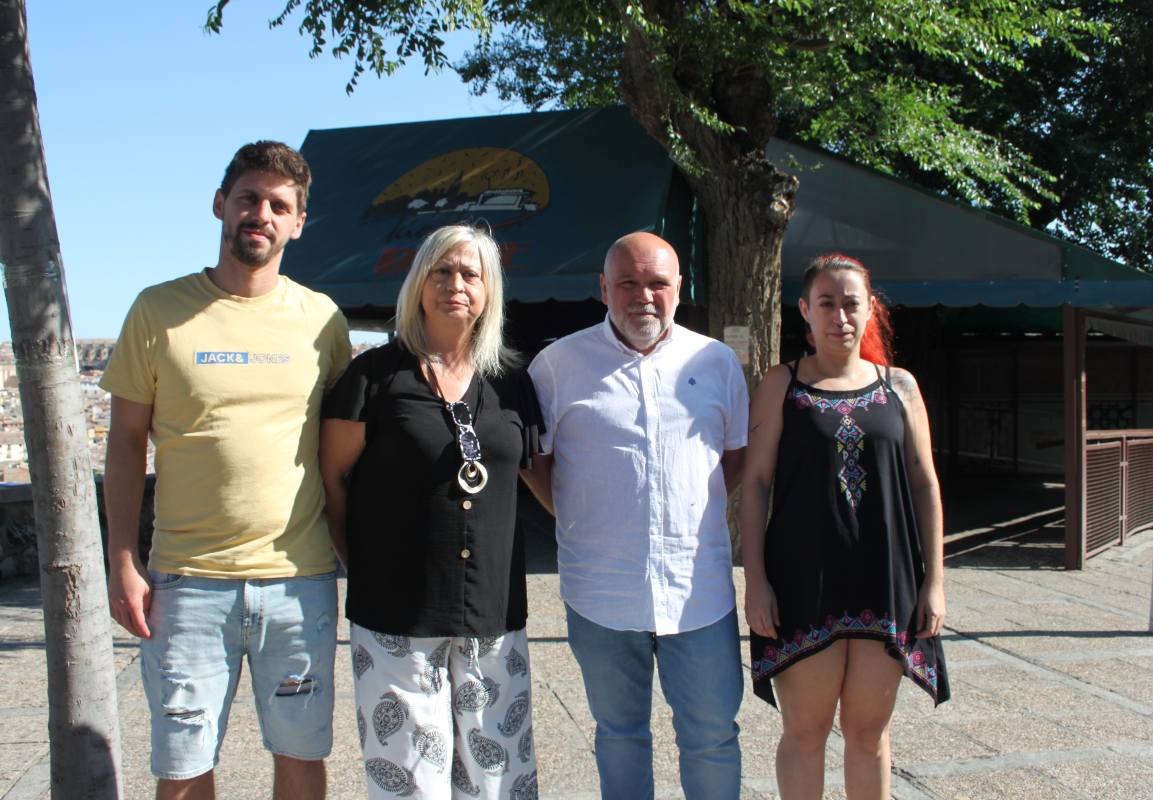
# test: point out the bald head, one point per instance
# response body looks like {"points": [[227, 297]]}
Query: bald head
{"points": [[641, 247], [641, 286]]}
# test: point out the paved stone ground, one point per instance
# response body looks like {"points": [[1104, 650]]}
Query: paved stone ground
{"points": [[1052, 690]]}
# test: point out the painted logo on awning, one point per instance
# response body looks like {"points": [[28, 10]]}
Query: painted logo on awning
{"points": [[496, 186]]}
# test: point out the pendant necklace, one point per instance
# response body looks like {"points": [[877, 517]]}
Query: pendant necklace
{"points": [[472, 476]]}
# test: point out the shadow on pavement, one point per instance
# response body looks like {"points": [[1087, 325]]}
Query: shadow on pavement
{"points": [[1040, 548], [975, 502]]}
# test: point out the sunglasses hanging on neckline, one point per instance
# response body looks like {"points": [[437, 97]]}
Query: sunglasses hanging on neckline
{"points": [[472, 475]]}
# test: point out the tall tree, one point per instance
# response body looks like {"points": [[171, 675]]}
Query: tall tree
{"points": [[1088, 121], [83, 726], [714, 80]]}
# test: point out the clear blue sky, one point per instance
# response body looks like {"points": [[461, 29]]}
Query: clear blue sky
{"points": [[141, 110]]}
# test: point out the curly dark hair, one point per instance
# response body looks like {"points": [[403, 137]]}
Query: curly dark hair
{"points": [[275, 157]]}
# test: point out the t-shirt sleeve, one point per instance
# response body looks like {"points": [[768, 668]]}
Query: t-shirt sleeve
{"points": [[541, 375], [340, 350], [737, 428], [131, 371]]}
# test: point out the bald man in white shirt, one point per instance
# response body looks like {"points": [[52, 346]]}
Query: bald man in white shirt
{"points": [[647, 426]]}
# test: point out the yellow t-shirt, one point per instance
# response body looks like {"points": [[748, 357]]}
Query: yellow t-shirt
{"points": [[235, 385]]}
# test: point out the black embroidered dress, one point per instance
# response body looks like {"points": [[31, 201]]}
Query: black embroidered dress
{"points": [[841, 547]]}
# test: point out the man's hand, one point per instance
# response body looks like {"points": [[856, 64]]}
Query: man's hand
{"points": [[130, 596], [129, 588]]}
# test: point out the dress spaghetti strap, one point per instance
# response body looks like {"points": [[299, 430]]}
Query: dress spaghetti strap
{"points": [[887, 378]]}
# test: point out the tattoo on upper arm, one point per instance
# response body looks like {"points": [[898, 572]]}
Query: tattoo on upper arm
{"points": [[905, 385], [753, 428]]}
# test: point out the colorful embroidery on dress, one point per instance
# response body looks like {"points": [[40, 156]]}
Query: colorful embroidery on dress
{"points": [[850, 437], [844, 405], [850, 444], [867, 624]]}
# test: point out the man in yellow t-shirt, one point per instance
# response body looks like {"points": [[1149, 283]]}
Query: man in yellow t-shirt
{"points": [[224, 370]]}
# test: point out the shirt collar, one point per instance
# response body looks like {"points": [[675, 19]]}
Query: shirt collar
{"points": [[611, 335]]}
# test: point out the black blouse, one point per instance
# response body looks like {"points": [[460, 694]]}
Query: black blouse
{"points": [[424, 557]]}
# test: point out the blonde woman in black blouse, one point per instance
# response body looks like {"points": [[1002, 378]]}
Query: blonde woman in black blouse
{"points": [[421, 445]]}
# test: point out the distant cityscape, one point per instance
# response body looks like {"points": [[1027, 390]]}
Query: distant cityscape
{"points": [[92, 356]]}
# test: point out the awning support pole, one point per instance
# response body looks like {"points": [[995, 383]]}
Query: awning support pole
{"points": [[1075, 421]]}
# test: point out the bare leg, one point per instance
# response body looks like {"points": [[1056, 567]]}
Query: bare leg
{"points": [[199, 788], [867, 699], [807, 695], [294, 779]]}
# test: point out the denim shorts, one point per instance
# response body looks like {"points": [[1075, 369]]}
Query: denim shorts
{"points": [[202, 629]]}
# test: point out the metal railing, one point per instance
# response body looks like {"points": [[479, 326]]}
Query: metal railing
{"points": [[1118, 486]]}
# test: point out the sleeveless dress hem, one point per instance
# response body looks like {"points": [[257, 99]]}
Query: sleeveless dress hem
{"points": [[777, 657]]}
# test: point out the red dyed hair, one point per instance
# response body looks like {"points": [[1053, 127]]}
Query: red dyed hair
{"points": [[877, 340]]}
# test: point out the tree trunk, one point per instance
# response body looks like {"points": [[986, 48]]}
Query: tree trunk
{"points": [[83, 727], [747, 204], [746, 211], [747, 201]]}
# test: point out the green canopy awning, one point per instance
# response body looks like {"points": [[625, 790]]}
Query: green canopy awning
{"points": [[925, 250], [556, 189]]}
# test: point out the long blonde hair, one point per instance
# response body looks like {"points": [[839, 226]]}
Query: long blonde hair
{"points": [[490, 357]]}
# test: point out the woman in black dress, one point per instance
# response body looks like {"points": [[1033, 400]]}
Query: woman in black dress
{"points": [[420, 450], [844, 588]]}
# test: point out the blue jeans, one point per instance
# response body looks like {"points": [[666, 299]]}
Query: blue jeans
{"points": [[202, 629], [700, 673]]}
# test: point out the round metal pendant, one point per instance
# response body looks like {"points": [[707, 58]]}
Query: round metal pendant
{"points": [[472, 476]]}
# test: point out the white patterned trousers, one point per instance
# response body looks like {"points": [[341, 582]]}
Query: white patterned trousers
{"points": [[444, 717]]}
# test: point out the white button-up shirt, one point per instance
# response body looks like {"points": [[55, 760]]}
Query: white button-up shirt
{"points": [[637, 440]]}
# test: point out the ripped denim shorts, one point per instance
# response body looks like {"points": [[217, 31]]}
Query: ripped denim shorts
{"points": [[202, 629]]}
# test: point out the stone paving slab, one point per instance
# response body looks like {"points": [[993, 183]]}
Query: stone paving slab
{"points": [[1053, 695]]}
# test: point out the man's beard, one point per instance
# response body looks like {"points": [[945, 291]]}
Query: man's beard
{"points": [[641, 334], [252, 252]]}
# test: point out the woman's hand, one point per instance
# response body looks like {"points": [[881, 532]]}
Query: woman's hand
{"points": [[761, 607], [930, 609]]}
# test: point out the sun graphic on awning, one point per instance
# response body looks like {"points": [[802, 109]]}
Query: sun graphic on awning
{"points": [[476, 179]]}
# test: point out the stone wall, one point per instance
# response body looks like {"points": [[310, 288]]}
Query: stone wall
{"points": [[17, 531], [18, 527]]}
